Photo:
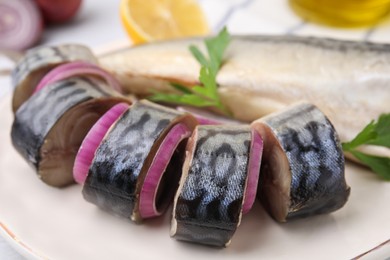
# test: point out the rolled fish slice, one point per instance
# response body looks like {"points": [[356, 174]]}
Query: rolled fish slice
{"points": [[303, 164], [218, 183], [37, 62], [136, 167], [49, 127]]}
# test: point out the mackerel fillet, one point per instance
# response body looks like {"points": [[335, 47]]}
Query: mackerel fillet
{"points": [[349, 81], [50, 126], [37, 62], [209, 202], [302, 173], [124, 156]]}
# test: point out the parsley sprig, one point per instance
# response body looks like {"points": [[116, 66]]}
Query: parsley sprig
{"points": [[375, 133], [206, 94]]}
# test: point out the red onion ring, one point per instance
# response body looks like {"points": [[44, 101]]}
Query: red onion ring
{"points": [[20, 24], [77, 68], [147, 205], [92, 141], [256, 152]]}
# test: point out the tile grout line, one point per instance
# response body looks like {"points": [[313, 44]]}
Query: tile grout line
{"points": [[369, 33], [232, 9], [293, 29]]}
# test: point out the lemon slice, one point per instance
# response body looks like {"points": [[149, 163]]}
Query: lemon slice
{"points": [[149, 20]]}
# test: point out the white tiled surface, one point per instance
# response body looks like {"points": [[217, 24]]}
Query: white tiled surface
{"points": [[98, 24]]}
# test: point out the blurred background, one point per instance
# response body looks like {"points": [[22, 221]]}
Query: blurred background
{"points": [[97, 24]]}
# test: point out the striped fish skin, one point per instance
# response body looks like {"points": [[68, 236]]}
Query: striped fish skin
{"points": [[263, 74], [37, 62], [125, 154], [208, 203], [38, 118], [311, 162]]}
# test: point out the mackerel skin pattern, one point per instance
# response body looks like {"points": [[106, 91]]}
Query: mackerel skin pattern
{"points": [[316, 161], [115, 176], [41, 57], [39, 114], [209, 206], [38, 62]]}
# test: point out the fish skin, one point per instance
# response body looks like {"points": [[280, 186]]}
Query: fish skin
{"points": [[34, 65], [122, 159], [36, 117], [40, 114], [315, 160], [349, 81], [208, 204]]}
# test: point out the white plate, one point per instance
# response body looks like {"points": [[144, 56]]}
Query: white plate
{"points": [[58, 224]]}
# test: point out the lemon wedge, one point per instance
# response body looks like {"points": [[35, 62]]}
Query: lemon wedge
{"points": [[150, 20]]}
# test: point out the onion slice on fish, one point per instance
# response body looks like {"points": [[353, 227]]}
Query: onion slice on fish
{"points": [[129, 151], [37, 62], [256, 152], [93, 139], [148, 207], [77, 68], [51, 125], [20, 24]]}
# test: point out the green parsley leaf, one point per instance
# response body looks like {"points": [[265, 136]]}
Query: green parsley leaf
{"points": [[215, 48], [207, 80], [375, 133], [367, 134], [186, 99], [199, 56], [380, 165], [206, 94], [383, 131], [181, 88]]}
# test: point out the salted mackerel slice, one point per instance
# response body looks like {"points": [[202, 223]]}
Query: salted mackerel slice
{"points": [[217, 173], [125, 156], [34, 65], [303, 164], [49, 127]]}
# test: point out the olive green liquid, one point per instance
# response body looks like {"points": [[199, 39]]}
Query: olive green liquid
{"points": [[342, 13]]}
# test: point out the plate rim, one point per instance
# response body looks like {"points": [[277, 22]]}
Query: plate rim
{"points": [[18, 245]]}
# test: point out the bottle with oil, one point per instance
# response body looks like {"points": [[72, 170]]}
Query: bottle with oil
{"points": [[342, 13]]}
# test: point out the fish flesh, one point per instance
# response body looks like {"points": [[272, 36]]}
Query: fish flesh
{"points": [[37, 62], [123, 158], [50, 126], [212, 192], [302, 173], [349, 81]]}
